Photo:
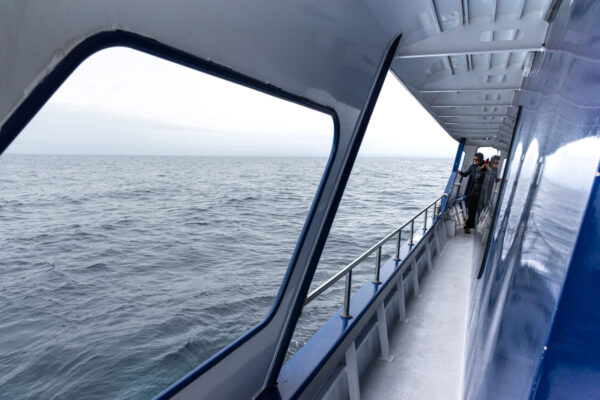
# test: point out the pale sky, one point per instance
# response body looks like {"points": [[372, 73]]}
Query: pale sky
{"points": [[122, 101]]}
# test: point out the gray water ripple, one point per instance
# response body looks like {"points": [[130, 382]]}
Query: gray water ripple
{"points": [[120, 274]]}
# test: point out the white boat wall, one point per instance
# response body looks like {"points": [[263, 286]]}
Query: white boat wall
{"points": [[522, 76]]}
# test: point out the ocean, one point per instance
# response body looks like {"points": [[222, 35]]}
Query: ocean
{"points": [[120, 274]]}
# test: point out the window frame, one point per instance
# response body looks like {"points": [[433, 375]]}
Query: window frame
{"points": [[44, 90]]}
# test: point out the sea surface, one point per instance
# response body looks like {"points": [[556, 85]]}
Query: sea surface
{"points": [[120, 274]]}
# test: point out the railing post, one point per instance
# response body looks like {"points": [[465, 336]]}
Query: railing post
{"points": [[401, 300], [346, 313], [398, 245], [377, 265], [384, 341], [352, 373], [415, 276], [412, 232], [437, 212]]}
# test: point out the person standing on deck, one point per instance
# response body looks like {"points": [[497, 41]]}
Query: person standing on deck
{"points": [[476, 174], [489, 182]]}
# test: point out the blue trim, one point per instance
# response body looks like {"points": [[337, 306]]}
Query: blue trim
{"points": [[450, 184]]}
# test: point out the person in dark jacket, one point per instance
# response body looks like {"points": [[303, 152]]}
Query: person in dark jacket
{"points": [[472, 171], [491, 177], [476, 174]]}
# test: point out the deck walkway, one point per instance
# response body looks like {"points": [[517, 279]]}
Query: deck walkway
{"points": [[429, 347]]}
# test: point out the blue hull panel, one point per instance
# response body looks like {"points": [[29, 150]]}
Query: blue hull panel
{"points": [[534, 247]]}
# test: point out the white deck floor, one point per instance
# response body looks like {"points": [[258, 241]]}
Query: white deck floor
{"points": [[429, 347]]}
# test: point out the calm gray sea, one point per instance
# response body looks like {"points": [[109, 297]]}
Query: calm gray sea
{"points": [[119, 274]]}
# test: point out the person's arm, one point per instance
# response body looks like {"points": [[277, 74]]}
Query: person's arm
{"points": [[466, 173]]}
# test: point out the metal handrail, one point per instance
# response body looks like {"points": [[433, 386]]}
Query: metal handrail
{"points": [[377, 247]]}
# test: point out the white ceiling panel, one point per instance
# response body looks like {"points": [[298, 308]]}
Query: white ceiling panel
{"points": [[466, 60]]}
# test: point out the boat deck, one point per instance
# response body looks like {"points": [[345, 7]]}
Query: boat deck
{"points": [[428, 348]]}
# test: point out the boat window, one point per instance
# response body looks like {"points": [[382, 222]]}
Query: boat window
{"points": [[401, 168], [149, 212]]}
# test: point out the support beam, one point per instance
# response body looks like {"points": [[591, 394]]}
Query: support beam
{"points": [[487, 141], [438, 29], [352, 373], [501, 135], [428, 254], [459, 51], [476, 121], [478, 131], [473, 112], [444, 231], [501, 127], [481, 128], [465, 12], [494, 79], [491, 142], [383, 333], [474, 124], [415, 277], [487, 96], [504, 116], [473, 89], [401, 300], [472, 105], [455, 99], [522, 7], [488, 137], [479, 38]]}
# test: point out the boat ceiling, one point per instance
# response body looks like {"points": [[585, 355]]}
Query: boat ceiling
{"points": [[465, 61]]}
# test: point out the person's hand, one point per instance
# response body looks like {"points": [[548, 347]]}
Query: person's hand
{"points": [[460, 172]]}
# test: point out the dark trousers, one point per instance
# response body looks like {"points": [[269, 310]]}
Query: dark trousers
{"points": [[472, 202]]}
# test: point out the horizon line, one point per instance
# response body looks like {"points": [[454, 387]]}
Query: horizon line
{"points": [[223, 155]]}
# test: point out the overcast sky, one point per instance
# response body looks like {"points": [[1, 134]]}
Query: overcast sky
{"points": [[121, 101]]}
